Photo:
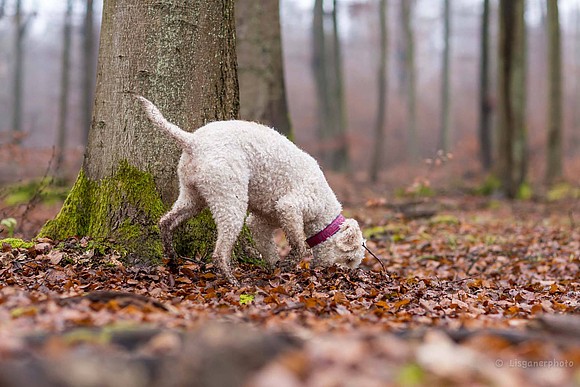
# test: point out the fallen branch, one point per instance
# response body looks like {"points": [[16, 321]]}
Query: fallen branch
{"points": [[108, 295]]}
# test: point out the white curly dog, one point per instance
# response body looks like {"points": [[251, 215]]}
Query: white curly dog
{"points": [[234, 167]]}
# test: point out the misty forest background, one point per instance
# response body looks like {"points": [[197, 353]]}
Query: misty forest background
{"points": [[375, 89]]}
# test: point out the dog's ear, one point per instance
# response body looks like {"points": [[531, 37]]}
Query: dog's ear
{"points": [[349, 236]]}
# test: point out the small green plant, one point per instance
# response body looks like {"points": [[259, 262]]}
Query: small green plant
{"points": [[420, 188], [489, 186], [444, 219], [562, 191], [9, 224], [411, 375], [44, 189], [525, 192], [246, 299], [16, 243]]}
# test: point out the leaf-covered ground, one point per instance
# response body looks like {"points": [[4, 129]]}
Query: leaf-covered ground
{"points": [[473, 291]]}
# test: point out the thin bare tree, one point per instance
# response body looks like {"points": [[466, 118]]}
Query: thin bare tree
{"points": [[64, 89], [512, 160], [327, 69], [554, 142], [485, 106], [379, 138], [340, 159], [20, 30], [89, 72], [407, 7], [576, 132], [444, 134], [319, 65]]}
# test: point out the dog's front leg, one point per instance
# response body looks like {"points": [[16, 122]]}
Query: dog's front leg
{"points": [[263, 234], [292, 223]]}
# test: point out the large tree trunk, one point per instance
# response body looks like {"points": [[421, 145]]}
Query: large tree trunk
{"points": [[181, 55], [444, 139], [485, 108], [64, 89], [379, 140], [88, 68], [554, 154], [260, 64], [512, 146]]}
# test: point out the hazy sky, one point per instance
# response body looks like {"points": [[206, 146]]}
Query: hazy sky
{"points": [[49, 10]]}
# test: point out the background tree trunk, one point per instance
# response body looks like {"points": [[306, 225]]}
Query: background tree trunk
{"points": [[88, 58], [379, 140], [20, 29], [576, 126], [339, 160], [485, 108], [512, 147], [327, 69], [319, 66], [444, 139], [554, 144], [260, 64], [64, 88], [181, 55], [407, 19]]}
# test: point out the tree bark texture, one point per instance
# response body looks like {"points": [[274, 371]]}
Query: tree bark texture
{"points": [[260, 64], [180, 55], [485, 108], [554, 143], [64, 89], [512, 146], [379, 141]]}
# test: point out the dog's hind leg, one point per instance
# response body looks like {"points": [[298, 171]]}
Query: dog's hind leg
{"points": [[229, 219], [187, 205]]}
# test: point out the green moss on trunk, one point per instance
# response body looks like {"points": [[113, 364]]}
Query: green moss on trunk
{"points": [[125, 209]]}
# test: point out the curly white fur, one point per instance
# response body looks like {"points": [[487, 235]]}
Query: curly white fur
{"points": [[237, 166]]}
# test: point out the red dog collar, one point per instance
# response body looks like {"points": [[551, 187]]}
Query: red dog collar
{"points": [[328, 231]]}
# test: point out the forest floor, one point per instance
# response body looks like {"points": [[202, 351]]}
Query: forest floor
{"points": [[473, 291], [469, 290]]}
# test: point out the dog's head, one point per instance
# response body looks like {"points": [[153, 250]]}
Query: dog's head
{"points": [[344, 248]]}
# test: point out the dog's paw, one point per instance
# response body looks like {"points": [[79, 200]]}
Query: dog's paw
{"points": [[233, 281], [173, 266], [286, 265]]}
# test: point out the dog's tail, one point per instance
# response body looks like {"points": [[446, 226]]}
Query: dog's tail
{"points": [[157, 118]]}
